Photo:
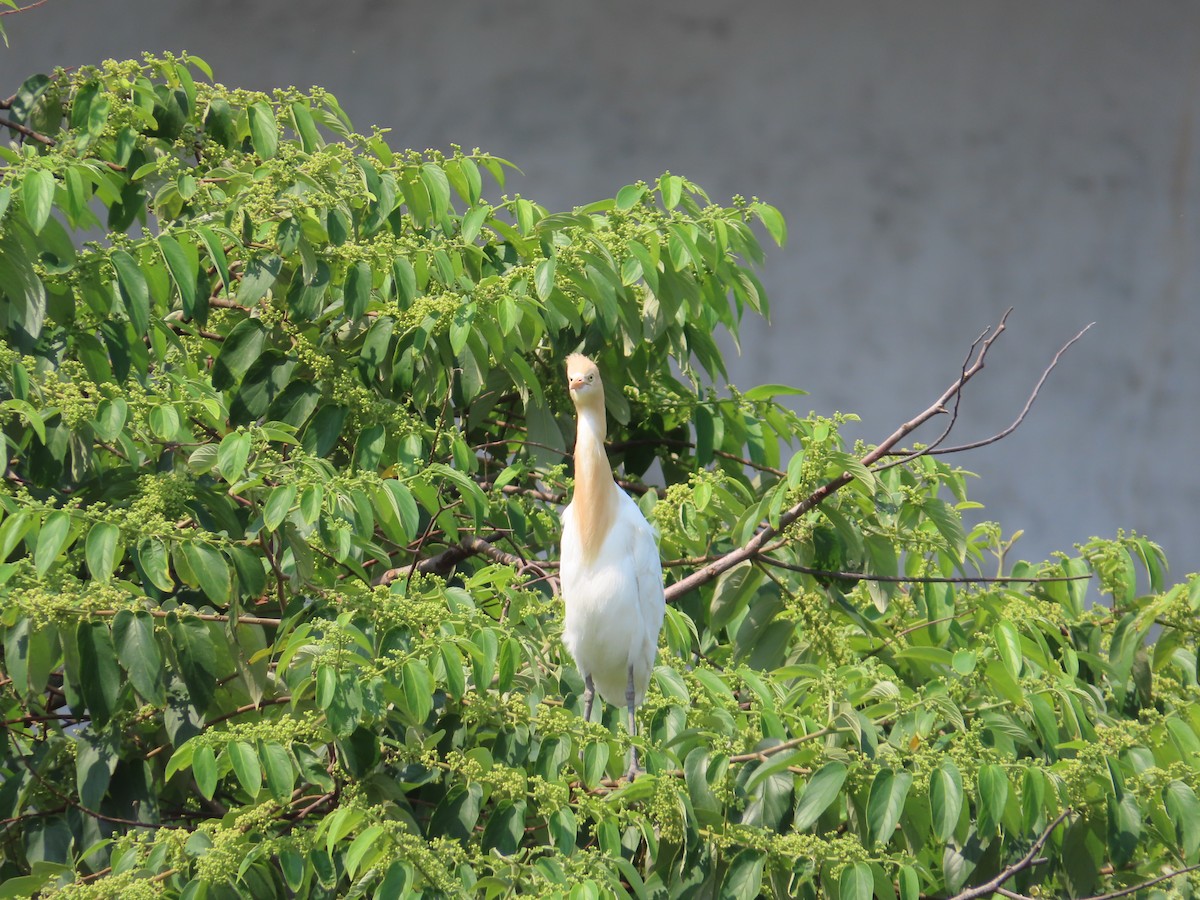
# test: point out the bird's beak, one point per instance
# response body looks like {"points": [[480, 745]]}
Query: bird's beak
{"points": [[576, 383]]}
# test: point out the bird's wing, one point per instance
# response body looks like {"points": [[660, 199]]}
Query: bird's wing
{"points": [[647, 568]]}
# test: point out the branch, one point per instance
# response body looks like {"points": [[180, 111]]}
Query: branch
{"points": [[13, 12], [204, 617], [917, 579], [25, 129], [993, 885], [1125, 892], [472, 545], [759, 543], [932, 451]]}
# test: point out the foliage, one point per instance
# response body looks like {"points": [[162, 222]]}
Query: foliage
{"points": [[285, 450]]}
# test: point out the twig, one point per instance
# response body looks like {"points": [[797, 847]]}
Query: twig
{"points": [[471, 545], [758, 544], [992, 885], [71, 801], [957, 403], [203, 617], [916, 579], [931, 451], [249, 707], [1124, 892], [13, 12], [25, 129]]}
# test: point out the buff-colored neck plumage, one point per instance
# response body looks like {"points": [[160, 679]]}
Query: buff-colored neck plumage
{"points": [[595, 501]]}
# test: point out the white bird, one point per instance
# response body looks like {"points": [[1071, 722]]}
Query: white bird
{"points": [[610, 572]]}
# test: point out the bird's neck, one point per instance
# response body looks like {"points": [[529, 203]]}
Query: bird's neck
{"points": [[596, 494]]}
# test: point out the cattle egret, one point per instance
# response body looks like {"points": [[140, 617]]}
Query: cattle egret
{"points": [[611, 575]]}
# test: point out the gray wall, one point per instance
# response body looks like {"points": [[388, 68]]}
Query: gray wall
{"points": [[938, 161]]}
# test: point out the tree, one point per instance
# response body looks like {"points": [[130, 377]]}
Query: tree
{"points": [[284, 458]]}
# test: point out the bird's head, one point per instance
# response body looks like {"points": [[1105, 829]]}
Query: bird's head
{"points": [[583, 378]]}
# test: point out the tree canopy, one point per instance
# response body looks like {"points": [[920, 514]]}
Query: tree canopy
{"points": [[285, 436]]}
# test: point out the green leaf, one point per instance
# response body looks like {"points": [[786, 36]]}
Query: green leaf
{"points": [[543, 278], [772, 220], [395, 884], [856, 882], [438, 185], [885, 803], [671, 189], [704, 801], [197, 658], [1008, 644], [743, 880], [405, 506], [13, 531], [733, 592], [1184, 810], [278, 769], [473, 221], [369, 450], [30, 654], [134, 291], [232, 455], [99, 675], [1124, 828], [138, 651], [505, 829], [20, 281], [993, 797], [96, 758], [770, 391], [216, 252], [945, 799], [242, 346], [110, 418], [278, 505], [357, 290], [258, 278], [204, 770], [264, 130], [152, 563], [360, 847], [37, 192], [822, 789], [456, 815], [628, 196], [246, 766], [182, 266], [51, 540], [211, 569]]}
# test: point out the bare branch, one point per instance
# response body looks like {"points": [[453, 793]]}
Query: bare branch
{"points": [[443, 563], [25, 129], [1125, 892], [757, 544], [916, 579], [993, 885], [931, 451], [13, 12]]}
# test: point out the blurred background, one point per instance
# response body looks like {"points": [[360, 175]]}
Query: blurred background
{"points": [[937, 162]]}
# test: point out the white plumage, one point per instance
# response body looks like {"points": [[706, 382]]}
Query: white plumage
{"points": [[611, 575]]}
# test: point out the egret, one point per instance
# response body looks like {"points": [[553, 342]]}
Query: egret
{"points": [[610, 573]]}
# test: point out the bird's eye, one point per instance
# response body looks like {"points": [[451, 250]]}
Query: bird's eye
{"points": [[591, 377]]}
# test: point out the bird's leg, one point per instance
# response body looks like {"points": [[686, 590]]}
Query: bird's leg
{"points": [[589, 694], [629, 702]]}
